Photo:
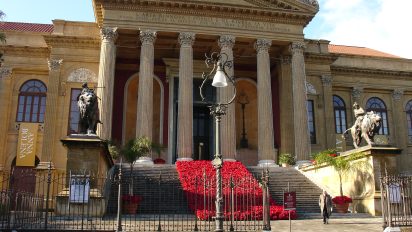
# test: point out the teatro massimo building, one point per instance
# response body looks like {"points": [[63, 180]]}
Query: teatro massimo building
{"points": [[145, 59]]}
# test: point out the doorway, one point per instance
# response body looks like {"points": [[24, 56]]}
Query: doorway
{"points": [[202, 131]]}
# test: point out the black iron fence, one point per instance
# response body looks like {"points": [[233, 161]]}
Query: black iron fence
{"points": [[150, 200], [396, 194]]}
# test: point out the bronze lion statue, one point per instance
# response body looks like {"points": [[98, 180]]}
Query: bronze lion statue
{"points": [[89, 111], [367, 128]]}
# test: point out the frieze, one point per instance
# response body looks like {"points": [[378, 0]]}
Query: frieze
{"points": [[262, 45], [54, 64], [148, 36], [5, 73], [397, 94], [82, 75], [187, 38], [314, 3], [203, 21], [226, 41]]}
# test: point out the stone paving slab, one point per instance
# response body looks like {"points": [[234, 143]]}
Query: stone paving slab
{"points": [[335, 224]]}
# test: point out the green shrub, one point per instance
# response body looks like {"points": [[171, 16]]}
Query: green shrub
{"points": [[286, 158]]}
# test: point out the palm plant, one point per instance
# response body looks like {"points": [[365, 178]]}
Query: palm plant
{"points": [[2, 35], [343, 165]]}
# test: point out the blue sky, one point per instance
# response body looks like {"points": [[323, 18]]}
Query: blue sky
{"points": [[377, 24]]}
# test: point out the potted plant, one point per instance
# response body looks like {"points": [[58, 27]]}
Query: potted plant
{"points": [[286, 159], [131, 151], [343, 165]]}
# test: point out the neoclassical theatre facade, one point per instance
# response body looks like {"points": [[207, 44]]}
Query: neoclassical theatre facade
{"points": [[145, 58]]}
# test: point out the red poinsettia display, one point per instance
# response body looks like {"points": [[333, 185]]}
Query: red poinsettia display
{"points": [[340, 200], [199, 183], [132, 199]]}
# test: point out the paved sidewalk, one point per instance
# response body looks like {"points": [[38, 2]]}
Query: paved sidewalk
{"points": [[335, 224]]}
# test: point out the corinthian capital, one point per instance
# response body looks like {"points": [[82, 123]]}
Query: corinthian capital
{"points": [[297, 47], [356, 93], [109, 34], [187, 38], [397, 94], [226, 41], [326, 80], [148, 36], [54, 64], [262, 45], [5, 72]]}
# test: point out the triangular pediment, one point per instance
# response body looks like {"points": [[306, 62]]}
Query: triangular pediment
{"points": [[289, 11]]}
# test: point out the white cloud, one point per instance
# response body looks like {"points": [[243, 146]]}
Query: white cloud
{"points": [[378, 24]]}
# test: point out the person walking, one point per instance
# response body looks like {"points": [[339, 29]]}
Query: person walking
{"points": [[325, 204]]}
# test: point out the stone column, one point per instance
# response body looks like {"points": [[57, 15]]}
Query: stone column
{"points": [[50, 117], [286, 104], [144, 123], [185, 107], [329, 112], [228, 123], [266, 150], [105, 80], [300, 120], [5, 103], [400, 131]]}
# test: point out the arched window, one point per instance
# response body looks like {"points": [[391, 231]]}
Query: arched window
{"points": [[408, 110], [340, 114], [32, 102], [377, 105]]}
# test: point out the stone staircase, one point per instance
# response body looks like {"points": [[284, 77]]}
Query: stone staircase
{"points": [[160, 188], [158, 185], [307, 193]]}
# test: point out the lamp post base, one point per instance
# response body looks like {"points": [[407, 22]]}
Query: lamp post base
{"points": [[267, 163]]}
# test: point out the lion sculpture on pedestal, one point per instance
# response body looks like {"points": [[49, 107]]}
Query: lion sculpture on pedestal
{"points": [[368, 126], [89, 111]]}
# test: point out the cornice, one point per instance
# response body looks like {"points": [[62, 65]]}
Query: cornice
{"points": [[25, 51], [72, 41], [298, 13], [365, 71]]}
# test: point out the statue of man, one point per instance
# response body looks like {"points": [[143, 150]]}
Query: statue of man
{"points": [[359, 114]]}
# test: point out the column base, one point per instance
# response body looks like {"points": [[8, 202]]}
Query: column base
{"points": [[184, 159], [267, 163], [229, 160], [144, 161], [302, 163], [392, 229]]}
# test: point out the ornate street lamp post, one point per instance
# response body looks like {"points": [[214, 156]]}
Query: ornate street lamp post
{"points": [[243, 101], [219, 63]]}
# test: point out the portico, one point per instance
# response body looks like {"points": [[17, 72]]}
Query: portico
{"points": [[158, 58]]}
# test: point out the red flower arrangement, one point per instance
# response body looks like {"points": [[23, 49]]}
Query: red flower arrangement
{"points": [[333, 155], [199, 183], [340, 200], [132, 199]]}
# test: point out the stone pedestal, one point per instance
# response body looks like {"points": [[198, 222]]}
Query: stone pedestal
{"points": [[87, 154], [94, 207]]}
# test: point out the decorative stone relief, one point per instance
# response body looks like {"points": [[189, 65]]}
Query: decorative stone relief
{"points": [[397, 94], [262, 45], [314, 3], [356, 93], [187, 38], [310, 89], [297, 47], [326, 80], [5, 72], [148, 36], [82, 75], [54, 64], [108, 34], [226, 41]]}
